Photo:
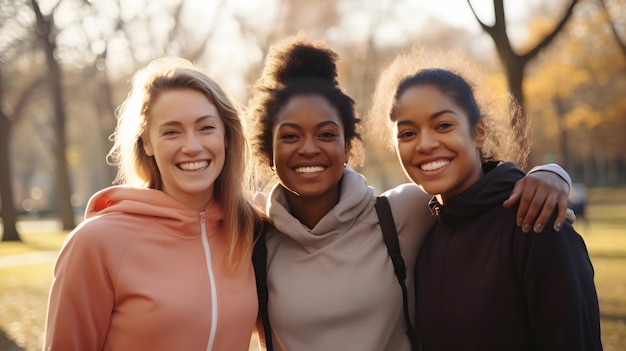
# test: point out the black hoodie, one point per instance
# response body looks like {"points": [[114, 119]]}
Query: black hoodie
{"points": [[483, 284]]}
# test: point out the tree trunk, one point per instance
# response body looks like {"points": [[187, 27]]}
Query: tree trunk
{"points": [[563, 141], [7, 210], [515, 63], [47, 36]]}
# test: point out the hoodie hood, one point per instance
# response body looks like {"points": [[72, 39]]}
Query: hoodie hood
{"points": [[490, 190], [355, 197], [150, 202]]}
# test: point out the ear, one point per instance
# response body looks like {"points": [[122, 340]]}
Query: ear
{"points": [[147, 147], [480, 134]]}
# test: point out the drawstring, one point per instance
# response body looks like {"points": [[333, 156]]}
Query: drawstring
{"points": [[207, 256]]}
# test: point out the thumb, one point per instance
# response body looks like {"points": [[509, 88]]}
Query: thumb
{"points": [[514, 197]]}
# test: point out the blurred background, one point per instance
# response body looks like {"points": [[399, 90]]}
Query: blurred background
{"points": [[65, 67]]}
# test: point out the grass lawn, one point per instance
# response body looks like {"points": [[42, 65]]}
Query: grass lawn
{"points": [[24, 288], [605, 235], [24, 292]]}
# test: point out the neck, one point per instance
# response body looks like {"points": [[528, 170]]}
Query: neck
{"points": [[310, 210], [473, 175]]}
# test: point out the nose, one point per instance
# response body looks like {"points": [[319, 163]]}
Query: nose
{"points": [[309, 147], [427, 142], [192, 143]]}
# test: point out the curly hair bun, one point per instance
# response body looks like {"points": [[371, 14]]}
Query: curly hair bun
{"points": [[300, 58]]}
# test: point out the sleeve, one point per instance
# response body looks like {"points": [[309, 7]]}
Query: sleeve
{"points": [[554, 168], [560, 292], [81, 297]]}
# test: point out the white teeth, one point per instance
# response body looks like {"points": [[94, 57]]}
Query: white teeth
{"points": [[193, 166], [309, 169], [431, 166]]}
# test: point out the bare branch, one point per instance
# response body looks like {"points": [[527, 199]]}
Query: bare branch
{"points": [[546, 41], [498, 10], [611, 22], [485, 27]]}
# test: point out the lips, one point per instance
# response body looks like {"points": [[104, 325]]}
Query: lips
{"points": [[193, 166], [434, 165]]}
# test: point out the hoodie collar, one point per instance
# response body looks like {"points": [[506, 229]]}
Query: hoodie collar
{"points": [[490, 190], [151, 203], [353, 199]]}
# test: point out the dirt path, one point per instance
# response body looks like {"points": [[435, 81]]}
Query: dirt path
{"points": [[28, 258]]}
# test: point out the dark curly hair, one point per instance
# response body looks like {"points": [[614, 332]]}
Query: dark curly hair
{"points": [[297, 66]]}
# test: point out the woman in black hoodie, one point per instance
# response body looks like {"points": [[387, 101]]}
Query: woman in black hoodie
{"points": [[481, 283]]}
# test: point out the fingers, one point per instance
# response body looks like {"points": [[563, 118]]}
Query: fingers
{"points": [[515, 196], [547, 208], [561, 211], [539, 194], [570, 215], [531, 205], [524, 193]]}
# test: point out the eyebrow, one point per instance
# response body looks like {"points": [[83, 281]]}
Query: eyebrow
{"points": [[433, 116], [177, 123], [297, 126]]}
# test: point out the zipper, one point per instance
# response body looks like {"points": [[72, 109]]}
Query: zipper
{"points": [[207, 257]]}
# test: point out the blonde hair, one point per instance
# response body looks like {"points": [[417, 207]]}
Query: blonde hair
{"points": [[496, 111], [135, 168]]}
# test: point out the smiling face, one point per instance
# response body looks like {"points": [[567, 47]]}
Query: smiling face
{"points": [[309, 148], [437, 147], [186, 136]]}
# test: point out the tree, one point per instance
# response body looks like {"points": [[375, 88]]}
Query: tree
{"points": [[16, 89], [46, 33], [514, 63], [575, 92], [7, 211], [611, 21]]}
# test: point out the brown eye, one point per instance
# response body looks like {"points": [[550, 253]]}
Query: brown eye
{"points": [[405, 134], [289, 137], [444, 125], [328, 135], [169, 132]]}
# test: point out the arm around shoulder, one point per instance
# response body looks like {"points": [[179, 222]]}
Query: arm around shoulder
{"points": [[556, 169]]}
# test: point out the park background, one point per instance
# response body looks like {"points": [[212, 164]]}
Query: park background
{"points": [[65, 67]]}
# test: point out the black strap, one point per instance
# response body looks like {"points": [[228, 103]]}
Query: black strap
{"points": [[259, 260], [390, 235]]}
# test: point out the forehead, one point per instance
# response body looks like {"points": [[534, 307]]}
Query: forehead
{"points": [[182, 104], [423, 97], [422, 94], [308, 108]]}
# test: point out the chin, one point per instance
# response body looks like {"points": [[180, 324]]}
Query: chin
{"points": [[432, 190]]}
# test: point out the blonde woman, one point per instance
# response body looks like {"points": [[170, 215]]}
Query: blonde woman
{"points": [[162, 261]]}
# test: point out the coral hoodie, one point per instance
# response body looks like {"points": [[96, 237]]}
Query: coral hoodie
{"points": [[136, 275]]}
